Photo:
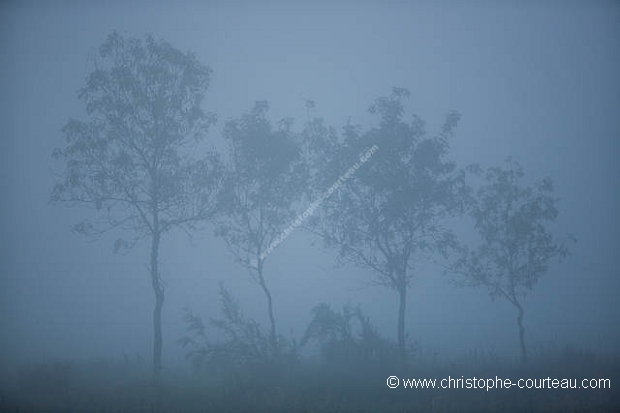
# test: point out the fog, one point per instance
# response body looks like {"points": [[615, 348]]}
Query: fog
{"points": [[538, 83]]}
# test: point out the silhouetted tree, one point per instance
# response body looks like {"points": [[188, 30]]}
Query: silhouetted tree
{"points": [[132, 159], [390, 212], [265, 176], [516, 244]]}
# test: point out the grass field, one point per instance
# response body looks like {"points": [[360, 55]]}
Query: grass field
{"points": [[302, 385]]}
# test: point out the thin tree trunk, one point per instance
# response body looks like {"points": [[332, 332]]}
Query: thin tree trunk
{"points": [[402, 293], [272, 320], [159, 302], [521, 334]]}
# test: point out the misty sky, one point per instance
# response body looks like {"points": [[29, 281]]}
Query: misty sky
{"points": [[539, 83]]}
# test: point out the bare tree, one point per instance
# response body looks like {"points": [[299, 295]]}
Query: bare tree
{"points": [[516, 245], [131, 160]]}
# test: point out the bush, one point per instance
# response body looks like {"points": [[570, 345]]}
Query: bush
{"points": [[244, 359], [348, 339]]}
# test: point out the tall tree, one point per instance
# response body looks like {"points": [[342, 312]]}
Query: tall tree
{"points": [[389, 214], [515, 242], [131, 159], [265, 177]]}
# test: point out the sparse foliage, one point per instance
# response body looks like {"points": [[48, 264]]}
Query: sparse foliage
{"points": [[236, 349], [131, 159], [265, 176], [391, 213], [245, 343], [516, 243]]}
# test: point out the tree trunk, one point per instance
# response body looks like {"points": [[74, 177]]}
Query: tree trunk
{"points": [[402, 293], [521, 334], [159, 302], [272, 321]]}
